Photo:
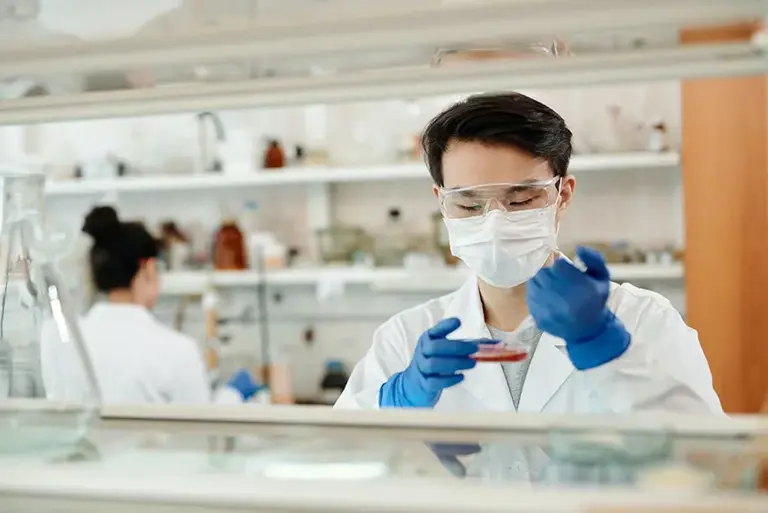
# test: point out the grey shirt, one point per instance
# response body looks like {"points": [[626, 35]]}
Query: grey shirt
{"points": [[528, 335]]}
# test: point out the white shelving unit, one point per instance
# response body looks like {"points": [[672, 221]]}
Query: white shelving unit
{"points": [[380, 279], [317, 182], [327, 175], [257, 178]]}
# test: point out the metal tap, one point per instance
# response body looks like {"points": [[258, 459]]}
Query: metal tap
{"points": [[209, 160]]}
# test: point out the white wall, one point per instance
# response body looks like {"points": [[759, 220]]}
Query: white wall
{"points": [[643, 207]]}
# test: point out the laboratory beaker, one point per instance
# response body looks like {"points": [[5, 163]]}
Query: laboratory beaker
{"points": [[48, 392]]}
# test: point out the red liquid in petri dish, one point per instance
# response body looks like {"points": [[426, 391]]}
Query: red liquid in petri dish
{"points": [[499, 354]]}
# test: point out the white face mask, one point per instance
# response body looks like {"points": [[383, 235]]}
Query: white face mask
{"points": [[505, 249]]}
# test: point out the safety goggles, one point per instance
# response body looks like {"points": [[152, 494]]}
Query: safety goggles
{"points": [[476, 201]]}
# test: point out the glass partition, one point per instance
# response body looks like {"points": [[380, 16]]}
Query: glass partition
{"points": [[316, 443], [297, 448]]}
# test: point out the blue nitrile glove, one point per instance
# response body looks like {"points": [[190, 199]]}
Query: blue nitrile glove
{"points": [[448, 454], [243, 383], [436, 365], [571, 304]]}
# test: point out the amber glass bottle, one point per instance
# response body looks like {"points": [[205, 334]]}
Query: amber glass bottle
{"points": [[229, 248], [274, 157]]}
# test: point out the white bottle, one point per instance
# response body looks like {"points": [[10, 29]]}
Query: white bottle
{"points": [[657, 138]]}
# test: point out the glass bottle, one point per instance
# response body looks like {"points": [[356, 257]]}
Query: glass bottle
{"points": [[48, 389], [229, 253], [394, 242], [274, 156]]}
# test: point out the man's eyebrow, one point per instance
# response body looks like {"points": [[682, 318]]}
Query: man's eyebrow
{"points": [[465, 191], [470, 193]]}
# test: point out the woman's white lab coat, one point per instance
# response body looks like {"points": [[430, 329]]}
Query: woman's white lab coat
{"points": [[663, 369], [136, 359]]}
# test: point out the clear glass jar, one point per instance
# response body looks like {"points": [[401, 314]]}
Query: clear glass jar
{"points": [[48, 391], [394, 242]]}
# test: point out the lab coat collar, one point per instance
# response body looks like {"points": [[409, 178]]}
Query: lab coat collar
{"points": [[549, 369], [123, 310]]}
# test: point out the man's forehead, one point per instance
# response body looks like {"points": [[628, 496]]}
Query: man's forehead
{"points": [[468, 164]]}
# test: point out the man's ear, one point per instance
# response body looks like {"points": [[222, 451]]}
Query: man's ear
{"points": [[567, 187]]}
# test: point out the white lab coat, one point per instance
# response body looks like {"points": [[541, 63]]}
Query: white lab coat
{"points": [[663, 369], [136, 359]]}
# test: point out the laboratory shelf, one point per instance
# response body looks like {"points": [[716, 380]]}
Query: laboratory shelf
{"points": [[327, 175], [378, 279]]}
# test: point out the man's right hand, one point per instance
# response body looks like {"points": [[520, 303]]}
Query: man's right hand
{"points": [[436, 365]]}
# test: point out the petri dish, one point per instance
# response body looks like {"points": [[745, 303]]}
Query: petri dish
{"points": [[500, 353]]}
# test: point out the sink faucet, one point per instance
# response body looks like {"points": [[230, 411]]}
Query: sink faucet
{"points": [[209, 162]]}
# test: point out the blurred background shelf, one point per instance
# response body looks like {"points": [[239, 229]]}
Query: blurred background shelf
{"points": [[381, 279], [311, 175]]}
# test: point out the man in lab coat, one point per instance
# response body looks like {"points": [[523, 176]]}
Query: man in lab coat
{"points": [[500, 168]]}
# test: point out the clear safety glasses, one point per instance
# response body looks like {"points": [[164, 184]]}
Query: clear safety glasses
{"points": [[478, 200]]}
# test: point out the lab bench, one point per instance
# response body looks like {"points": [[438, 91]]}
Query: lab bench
{"points": [[252, 458]]}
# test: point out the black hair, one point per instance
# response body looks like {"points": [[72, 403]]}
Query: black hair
{"points": [[118, 248], [502, 119]]}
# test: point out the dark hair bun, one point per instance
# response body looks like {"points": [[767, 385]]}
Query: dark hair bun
{"points": [[119, 249], [101, 222]]}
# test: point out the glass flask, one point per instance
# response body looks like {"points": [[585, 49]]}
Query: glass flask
{"points": [[48, 392]]}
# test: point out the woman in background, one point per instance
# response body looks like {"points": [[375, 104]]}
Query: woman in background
{"points": [[136, 359]]}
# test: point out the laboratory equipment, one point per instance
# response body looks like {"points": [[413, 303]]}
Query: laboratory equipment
{"points": [[499, 353], [437, 364], [394, 241], [40, 345], [229, 252], [177, 251], [514, 347], [339, 244], [274, 156]]}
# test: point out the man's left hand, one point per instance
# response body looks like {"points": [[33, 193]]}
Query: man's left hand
{"points": [[572, 304]]}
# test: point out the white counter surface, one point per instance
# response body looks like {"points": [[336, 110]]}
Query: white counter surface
{"points": [[90, 488]]}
